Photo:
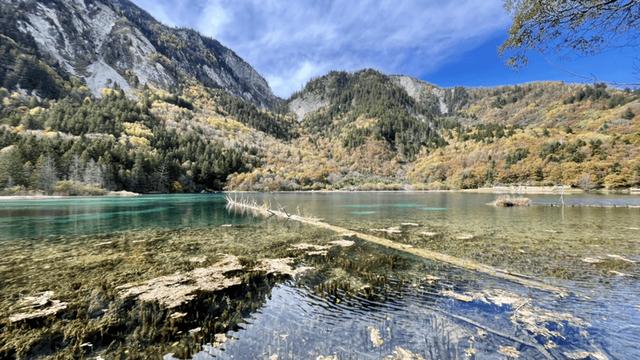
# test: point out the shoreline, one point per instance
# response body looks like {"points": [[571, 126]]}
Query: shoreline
{"points": [[500, 190], [528, 190], [122, 194], [523, 190]]}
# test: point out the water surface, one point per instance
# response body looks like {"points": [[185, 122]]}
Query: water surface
{"points": [[362, 301]]}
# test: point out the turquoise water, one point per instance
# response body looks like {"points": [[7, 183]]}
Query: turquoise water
{"points": [[74, 246], [83, 216]]}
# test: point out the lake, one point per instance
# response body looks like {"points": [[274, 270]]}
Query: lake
{"points": [[180, 276]]}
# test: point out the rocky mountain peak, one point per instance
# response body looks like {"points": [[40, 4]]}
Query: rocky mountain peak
{"points": [[108, 42]]}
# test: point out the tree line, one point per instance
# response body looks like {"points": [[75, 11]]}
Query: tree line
{"points": [[84, 142]]}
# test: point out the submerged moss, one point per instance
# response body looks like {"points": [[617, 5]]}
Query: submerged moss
{"points": [[152, 292], [98, 279], [557, 255], [140, 292]]}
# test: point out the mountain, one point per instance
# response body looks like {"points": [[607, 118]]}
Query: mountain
{"points": [[367, 130], [366, 104], [440, 101], [104, 43], [96, 95]]}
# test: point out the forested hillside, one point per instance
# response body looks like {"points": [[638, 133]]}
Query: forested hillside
{"points": [[367, 105], [149, 108], [544, 134], [97, 95], [160, 142], [369, 131]]}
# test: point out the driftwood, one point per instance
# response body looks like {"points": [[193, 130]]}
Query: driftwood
{"points": [[253, 208]]}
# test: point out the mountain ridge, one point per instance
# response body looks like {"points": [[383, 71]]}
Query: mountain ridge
{"points": [[196, 129], [108, 42]]}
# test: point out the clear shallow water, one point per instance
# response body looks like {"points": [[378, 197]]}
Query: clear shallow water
{"points": [[578, 248], [81, 244], [82, 216], [539, 240]]}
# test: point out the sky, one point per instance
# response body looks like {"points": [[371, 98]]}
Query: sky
{"points": [[445, 42]]}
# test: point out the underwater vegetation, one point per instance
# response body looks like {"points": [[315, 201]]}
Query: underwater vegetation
{"points": [[269, 287], [130, 291]]}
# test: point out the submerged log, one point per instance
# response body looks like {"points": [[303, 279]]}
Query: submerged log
{"points": [[253, 208], [172, 291], [37, 307]]}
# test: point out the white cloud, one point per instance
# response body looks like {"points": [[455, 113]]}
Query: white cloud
{"points": [[158, 10], [292, 41], [213, 19], [291, 82]]}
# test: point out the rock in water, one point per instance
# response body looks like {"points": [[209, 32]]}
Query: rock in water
{"points": [[375, 337]]}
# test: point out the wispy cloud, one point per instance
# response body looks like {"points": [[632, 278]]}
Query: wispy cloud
{"points": [[290, 42]]}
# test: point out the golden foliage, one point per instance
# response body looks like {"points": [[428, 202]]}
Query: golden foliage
{"points": [[137, 130]]}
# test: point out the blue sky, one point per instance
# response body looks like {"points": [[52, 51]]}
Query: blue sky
{"points": [[444, 42]]}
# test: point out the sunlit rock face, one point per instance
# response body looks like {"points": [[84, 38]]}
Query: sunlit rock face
{"points": [[109, 42], [438, 100], [305, 104]]}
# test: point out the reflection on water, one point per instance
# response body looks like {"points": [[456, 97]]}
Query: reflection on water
{"points": [[414, 318], [81, 216], [356, 301]]}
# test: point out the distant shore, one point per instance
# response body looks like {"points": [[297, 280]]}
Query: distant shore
{"points": [[47, 197], [504, 190], [556, 190]]}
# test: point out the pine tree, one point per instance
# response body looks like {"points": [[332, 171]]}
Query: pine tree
{"points": [[628, 114], [138, 174], [45, 174], [11, 168], [75, 169], [93, 174]]}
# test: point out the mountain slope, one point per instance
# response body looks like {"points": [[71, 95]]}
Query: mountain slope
{"points": [[439, 101], [355, 107], [108, 42], [548, 133], [545, 133], [208, 121]]}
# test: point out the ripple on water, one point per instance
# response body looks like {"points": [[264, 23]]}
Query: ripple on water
{"points": [[414, 317]]}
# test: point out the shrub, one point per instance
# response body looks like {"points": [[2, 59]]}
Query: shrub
{"points": [[628, 114], [517, 155], [72, 188], [15, 190], [508, 201]]}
